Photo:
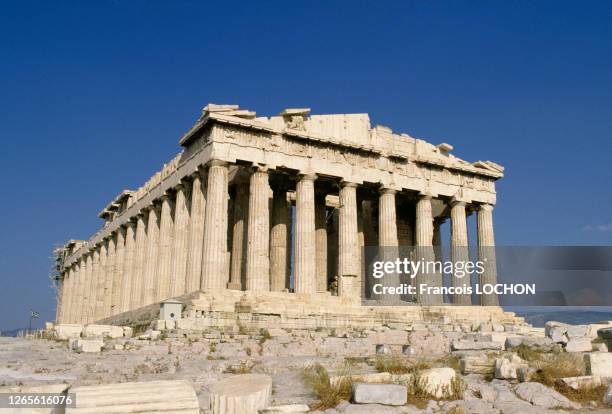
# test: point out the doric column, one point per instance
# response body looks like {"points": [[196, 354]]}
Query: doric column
{"points": [[424, 250], [258, 245], [348, 244], [214, 253], [459, 250], [196, 231], [99, 309], [63, 296], [109, 276], [280, 242], [68, 314], [150, 268], [86, 287], [93, 286], [305, 255], [77, 299], [387, 238], [62, 288], [119, 269], [321, 241], [72, 284], [486, 252], [424, 221], [128, 266], [139, 262], [437, 248], [85, 282], [333, 244], [164, 258], [387, 218], [360, 243], [239, 239], [181, 240]]}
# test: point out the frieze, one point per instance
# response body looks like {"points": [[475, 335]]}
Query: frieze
{"points": [[294, 146]]}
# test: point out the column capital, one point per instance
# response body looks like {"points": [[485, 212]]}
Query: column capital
{"points": [[217, 163], [484, 207], [349, 184], [457, 202], [426, 195], [307, 176], [154, 205], [259, 168], [199, 172], [387, 190]]}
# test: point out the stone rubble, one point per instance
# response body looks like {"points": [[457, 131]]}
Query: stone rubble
{"points": [[386, 394], [585, 381], [210, 358], [598, 363], [162, 397], [240, 394], [506, 367]]}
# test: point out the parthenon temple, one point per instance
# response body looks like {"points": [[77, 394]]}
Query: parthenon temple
{"points": [[274, 210]]}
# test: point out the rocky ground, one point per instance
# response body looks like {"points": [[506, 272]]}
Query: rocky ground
{"points": [[464, 373]]}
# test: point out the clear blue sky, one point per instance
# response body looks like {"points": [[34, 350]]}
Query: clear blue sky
{"points": [[94, 97]]}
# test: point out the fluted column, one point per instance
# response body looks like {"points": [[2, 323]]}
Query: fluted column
{"points": [[214, 253], [258, 245], [150, 268], [86, 287], [438, 276], [321, 241], [387, 218], [63, 296], [424, 250], [305, 255], [84, 312], [280, 242], [139, 262], [348, 243], [118, 274], [181, 241], [239, 239], [67, 311], [164, 258], [109, 276], [101, 283], [459, 250], [93, 286], [128, 266], [486, 252], [68, 317], [196, 232], [77, 300], [387, 238], [361, 244], [62, 289]]}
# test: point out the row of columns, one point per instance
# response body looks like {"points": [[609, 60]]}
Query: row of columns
{"points": [[159, 254]]}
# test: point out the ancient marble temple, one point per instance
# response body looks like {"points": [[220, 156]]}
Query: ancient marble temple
{"points": [[273, 204]]}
